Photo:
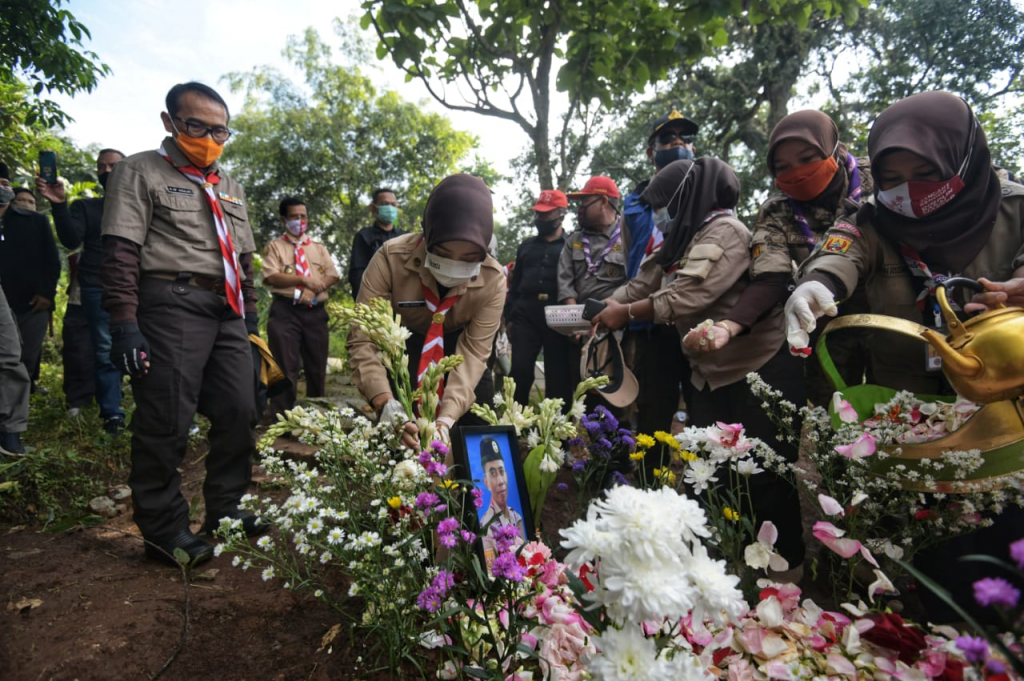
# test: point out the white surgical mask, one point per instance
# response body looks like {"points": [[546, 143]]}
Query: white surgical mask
{"points": [[295, 227], [661, 218], [451, 273]]}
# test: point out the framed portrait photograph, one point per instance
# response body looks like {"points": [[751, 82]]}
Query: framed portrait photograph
{"points": [[489, 456]]}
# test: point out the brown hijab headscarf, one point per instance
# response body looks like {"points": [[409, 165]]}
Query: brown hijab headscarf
{"points": [[819, 131], [937, 127], [459, 209], [690, 190]]}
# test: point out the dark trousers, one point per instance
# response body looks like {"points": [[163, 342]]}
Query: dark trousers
{"points": [[79, 384], [773, 498], [107, 376], [33, 327], [661, 372], [529, 333], [201, 361], [298, 338], [14, 381]]}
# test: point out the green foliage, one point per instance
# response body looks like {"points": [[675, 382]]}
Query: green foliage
{"points": [[41, 44], [334, 141]]}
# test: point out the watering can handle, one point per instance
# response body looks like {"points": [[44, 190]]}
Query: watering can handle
{"points": [[861, 321], [956, 327]]}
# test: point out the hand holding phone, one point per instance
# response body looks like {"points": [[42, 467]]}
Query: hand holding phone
{"points": [[48, 166]]}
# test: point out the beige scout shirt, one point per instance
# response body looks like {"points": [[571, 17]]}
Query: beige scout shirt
{"points": [[709, 281], [397, 273], [149, 202], [778, 246], [574, 281], [279, 256], [898, 361]]}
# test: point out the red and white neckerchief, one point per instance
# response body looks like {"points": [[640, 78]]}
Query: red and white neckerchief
{"points": [[928, 280], [433, 343], [232, 278], [301, 264]]}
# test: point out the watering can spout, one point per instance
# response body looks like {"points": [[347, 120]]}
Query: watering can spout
{"points": [[954, 362]]}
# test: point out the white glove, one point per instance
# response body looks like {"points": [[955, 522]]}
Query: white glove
{"points": [[809, 301], [394, 413], [444, 426]]}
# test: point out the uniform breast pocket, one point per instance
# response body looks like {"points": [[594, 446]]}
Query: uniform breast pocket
{"points": [[238, 222], [613, 269], [181, 216]]}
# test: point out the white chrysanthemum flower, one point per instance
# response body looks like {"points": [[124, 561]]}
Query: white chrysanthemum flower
{"points": [[748, 467], [268, 573], [315, 525], [625, 654], [336, 536], [699, 473]]}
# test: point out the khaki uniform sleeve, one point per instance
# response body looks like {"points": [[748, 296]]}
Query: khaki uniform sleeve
{"points": [[716, 259], [769, 247], [1012, 209], [647, 281], [475, 344], [239, 215], [127, 205], [368, 373], [330, 270], [566, 275], [272, 261], [848, 253]]}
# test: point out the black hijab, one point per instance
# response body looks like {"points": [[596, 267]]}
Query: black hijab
{"points": [[690, 190], [459, 209]]}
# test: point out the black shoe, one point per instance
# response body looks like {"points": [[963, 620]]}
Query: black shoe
{"points": [[252, 525], [10, 444], [197, 549], [39, 390], [113, 425]]}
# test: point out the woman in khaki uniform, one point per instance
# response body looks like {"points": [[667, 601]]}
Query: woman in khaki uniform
{"points": [[445, 286], [705, 260], [938, 209]]}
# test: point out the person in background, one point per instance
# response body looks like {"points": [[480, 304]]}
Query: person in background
{"points": [[178, 283], [534, 286], [368, 240], [300, 272], [77, 351], [820, 181], [30, 264], [80, 225], [24, 198], [450, 294], [15, 384]]}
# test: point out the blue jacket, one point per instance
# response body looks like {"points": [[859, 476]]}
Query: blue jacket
{"points": [[639, 219]]}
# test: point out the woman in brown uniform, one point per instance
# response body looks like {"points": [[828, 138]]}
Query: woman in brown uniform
{"points": [[938, 210], [705, 260], [450, 294]]}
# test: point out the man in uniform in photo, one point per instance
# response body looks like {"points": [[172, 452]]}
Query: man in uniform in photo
{"points": [[499, 513]]}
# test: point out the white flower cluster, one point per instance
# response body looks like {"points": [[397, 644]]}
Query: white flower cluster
{"points": [[645, 548]]}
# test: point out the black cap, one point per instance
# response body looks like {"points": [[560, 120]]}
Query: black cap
{"points": [[5, 174], [674, 119]]}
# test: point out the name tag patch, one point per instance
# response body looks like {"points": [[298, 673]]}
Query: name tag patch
{"points": [[230, 199], [180, 190]]}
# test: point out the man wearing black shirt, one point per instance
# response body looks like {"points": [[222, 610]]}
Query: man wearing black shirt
{"points": [[14, 380], [81, 224], [369, 239], [534, 286]]}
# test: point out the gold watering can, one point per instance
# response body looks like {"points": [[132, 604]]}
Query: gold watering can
{"points": [[983, 357]]}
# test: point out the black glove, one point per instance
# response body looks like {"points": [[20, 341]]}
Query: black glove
{"points": [[129, 350], [252, 323]]}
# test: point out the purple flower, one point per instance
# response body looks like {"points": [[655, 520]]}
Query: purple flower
{"points": [[579, 465], [1017, 553], [574, 442], [426, 501], [429, 599], [478, 497], [447, 539], [593, 427], [443, 581], [975, 649], [448, 525], [628, 442], [441, 508], [468, 536], [505, 537], [603, 443], [620, 479], [561, 487], [425, 458], [610, 422], [438, 469], [505, 565], [995, 666], [439, 448], [995, 591]]}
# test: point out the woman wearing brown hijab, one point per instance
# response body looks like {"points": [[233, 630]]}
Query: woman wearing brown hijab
{"points": [[819, 181], [705, 261], [938, 210], [450, 294]]}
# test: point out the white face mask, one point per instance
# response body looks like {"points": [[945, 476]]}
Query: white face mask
{"points": [[295, 227], [451, 273]]}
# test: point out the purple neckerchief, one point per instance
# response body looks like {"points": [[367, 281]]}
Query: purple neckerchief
{"points": [[612, 240], [853, 194]]}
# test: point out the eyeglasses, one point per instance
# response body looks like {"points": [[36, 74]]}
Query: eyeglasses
{"points": [[670, 136], [197, 129]]}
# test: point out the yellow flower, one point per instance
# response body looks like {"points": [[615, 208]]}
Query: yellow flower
{"points": [[636, 456], [644, 441], [730, 514], [667, 476], [686, 455], [666, 438], [449, 484], [395, 502]]}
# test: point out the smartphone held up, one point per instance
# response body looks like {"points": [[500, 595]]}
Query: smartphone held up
{"points": [[48, 166]]}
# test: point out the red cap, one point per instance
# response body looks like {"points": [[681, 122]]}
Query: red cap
{"points": [[549, 200], [599, 185]]}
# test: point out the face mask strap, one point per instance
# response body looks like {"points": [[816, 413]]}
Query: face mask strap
{"points": [[678, 191]]}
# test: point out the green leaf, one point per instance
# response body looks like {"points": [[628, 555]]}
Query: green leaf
{"points": [[720, 39]]}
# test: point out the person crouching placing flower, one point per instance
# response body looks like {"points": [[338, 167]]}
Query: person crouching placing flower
{"points": [[449, 293]]}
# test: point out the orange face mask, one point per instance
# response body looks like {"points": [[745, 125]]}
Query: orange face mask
{"points": [[201, 151], [808, 181]]}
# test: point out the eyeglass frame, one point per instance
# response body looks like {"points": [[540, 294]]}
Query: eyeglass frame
{"points": [[206, 129], [676, 135]]}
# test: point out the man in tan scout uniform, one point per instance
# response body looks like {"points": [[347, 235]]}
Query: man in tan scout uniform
{"points": [[300, 271], [177, 281]]}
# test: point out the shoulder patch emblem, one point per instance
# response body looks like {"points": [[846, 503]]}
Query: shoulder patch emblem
{"points": [[617, 247], [846, 227], [577, 244], [180, 190], [837, 244], [757, 251], [230, 199]]}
